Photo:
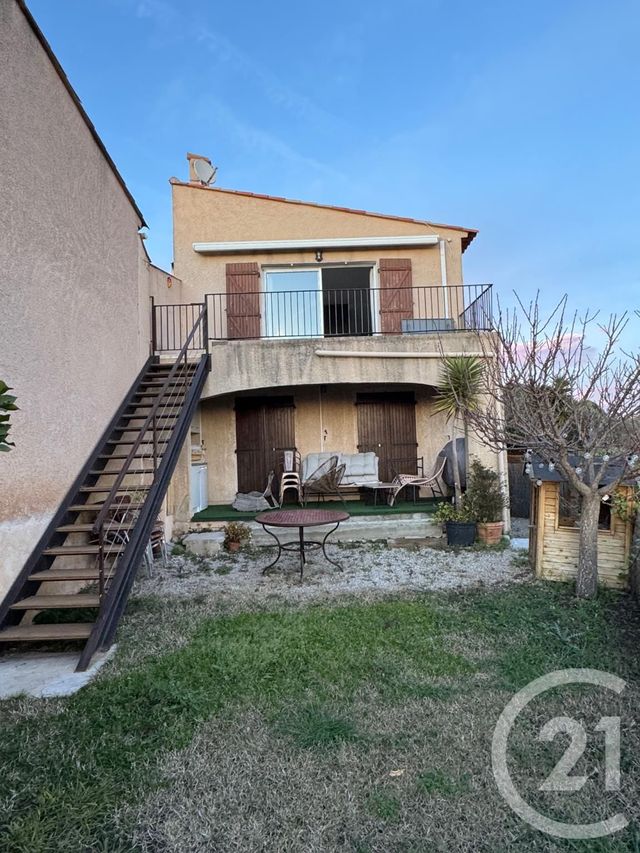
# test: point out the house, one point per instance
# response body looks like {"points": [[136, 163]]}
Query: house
{"points": [[326, 328], [283, 325], [554, 530]]}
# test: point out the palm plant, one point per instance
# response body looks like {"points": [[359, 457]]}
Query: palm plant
{"points": [[7, 404], [458, 394]]}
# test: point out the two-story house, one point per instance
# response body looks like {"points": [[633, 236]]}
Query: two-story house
{"points": [[326, 330], [286, 325]]}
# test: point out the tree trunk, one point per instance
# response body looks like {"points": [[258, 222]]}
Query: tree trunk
{"points": [[587, 579], [634, 568], [456, 466], [466, 450]]}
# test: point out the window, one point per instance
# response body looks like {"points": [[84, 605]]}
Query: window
{"points": [[293, 304], [570, 509], [316, 302]]}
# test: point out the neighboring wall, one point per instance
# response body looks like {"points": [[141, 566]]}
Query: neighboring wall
{"points": [[73, 304]]}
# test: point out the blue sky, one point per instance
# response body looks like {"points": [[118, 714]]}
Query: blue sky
{"points": [[520, 119]]}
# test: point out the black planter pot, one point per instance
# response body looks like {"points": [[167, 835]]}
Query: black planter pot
{"points": [[461, 532]]}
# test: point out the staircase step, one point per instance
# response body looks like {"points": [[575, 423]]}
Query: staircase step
{"points": [[149, 406], [53, 602], [106, 489], [86, 574], [124, 456], [118, 441], [88, 528], [96, 507], [134, 417], [80, 550], [115, 473], [58, 631]]}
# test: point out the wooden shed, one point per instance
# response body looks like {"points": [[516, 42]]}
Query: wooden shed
{"points": [[553, 534]]}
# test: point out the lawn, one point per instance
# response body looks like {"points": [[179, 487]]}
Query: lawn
{"points": [[355, 727]]}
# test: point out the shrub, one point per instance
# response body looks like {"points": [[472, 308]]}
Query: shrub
{"points": [[448, 512], [235, 531], [484, 498]]}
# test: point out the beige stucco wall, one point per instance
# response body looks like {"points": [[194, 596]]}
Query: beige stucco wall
{"points": [[73, 305], [245, 365], [209, 215], [324, 388]]}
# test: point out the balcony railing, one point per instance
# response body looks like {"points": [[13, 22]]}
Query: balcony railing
{"points": [[353, 312], [349, 312]]}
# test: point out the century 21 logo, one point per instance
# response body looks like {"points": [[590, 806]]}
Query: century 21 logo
{"points": [[559, 778]]}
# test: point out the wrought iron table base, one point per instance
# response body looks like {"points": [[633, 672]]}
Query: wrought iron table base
{"points": [[301, 547]]}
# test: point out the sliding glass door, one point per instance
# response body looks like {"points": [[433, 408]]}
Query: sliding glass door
{"points": [[317, 302], [293, 304]]}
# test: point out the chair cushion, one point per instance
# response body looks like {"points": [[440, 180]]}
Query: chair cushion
{"points": [[313, 461], [360, 468]]}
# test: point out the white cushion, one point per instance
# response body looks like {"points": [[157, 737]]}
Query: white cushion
{"points": [[360, 468]]}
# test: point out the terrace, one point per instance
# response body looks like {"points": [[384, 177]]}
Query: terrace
{"points": [[328, 311]]}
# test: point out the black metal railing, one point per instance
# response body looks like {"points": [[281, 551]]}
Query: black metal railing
{"points": [[348, 312], [171, 324], [123, 525]]}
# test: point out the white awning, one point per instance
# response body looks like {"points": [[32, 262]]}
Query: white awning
{"points": [[316, 244]]}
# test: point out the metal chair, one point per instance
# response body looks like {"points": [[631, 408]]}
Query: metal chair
{"points": [[290, 473], [401, 481], [325, 481]]}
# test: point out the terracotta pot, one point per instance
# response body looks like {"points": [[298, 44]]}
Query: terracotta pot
{"points": [[233, 546], [491, 532]]}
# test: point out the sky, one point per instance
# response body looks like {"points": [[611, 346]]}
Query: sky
{"points": [[519, 119]]}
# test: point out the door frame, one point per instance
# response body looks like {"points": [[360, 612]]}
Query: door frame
{"points": [[374, 290]]}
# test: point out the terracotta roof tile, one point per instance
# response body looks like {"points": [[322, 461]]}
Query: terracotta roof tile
{"points": [[470, 232]]}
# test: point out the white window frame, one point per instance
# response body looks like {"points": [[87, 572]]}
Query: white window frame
{"points": [[374, 295]]}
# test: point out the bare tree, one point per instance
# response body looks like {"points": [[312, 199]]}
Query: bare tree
{"points": [[578, 409]]}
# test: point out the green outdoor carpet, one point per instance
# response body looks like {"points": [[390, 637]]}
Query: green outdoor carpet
{"points": [[225, 512]]}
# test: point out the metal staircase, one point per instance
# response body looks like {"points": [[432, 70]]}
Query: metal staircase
{"points": [[85, 563]]}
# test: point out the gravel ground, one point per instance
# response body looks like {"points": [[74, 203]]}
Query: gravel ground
{"points": [[520, 527], [367, 568]]}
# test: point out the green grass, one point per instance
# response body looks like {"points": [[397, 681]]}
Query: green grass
{"points": [[377, 686]]}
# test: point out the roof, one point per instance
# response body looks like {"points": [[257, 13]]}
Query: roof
{"points": [[470, 232], [74, 97], [540, 470]]}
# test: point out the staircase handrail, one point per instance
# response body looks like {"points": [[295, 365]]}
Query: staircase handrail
{"points": [[106, 506]]}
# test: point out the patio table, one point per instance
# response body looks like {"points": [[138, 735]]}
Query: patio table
{"points": [[376, 488], [301, 518]]}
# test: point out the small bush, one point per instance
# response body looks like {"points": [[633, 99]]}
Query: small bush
{"points": [[236, 531], [484, 498]]}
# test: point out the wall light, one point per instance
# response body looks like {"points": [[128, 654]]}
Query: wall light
{"points": [[319, 255]]}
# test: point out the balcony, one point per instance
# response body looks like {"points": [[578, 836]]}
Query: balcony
{"points": [[329, 313], [355, 336], [355, 312]]}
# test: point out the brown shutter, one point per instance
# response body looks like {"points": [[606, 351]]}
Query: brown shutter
{"points": [[396, 296], [243, 300]]}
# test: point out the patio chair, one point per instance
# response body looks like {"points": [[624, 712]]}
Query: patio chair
{"points": [[325, 481], [401, 481], [289, 467], [256, 501]]}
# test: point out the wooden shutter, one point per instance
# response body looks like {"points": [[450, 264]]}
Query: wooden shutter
{"points": [[387, 426], [396, 296], [243, 300]]}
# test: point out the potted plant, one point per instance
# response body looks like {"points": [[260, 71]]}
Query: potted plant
{"points": [[235, 533], [485, 501], [460, 528], [458, 395]]}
